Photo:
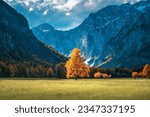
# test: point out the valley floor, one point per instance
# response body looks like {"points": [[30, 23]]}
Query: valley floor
{"points": [[95, 89]]}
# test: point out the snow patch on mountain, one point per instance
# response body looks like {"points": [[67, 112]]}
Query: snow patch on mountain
{"points": [[87, 60], [84, 42], [105, 62]]}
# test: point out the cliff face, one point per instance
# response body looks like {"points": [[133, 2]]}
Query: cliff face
{"points": [[115, 36], [17, 42]]}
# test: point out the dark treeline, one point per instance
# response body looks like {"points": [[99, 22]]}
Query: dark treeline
{"points": [[32, 69]]}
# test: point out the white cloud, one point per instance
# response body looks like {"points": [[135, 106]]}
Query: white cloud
{"points": [[45, 12], [59, 5], [90, 3], [68, 14], [34, 1], [63, 14], [71, 4], [30, 9], [66, 7], [26, 2]]}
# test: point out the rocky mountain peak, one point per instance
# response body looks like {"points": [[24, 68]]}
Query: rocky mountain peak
{"points": [[115, 36], [45, 27]]}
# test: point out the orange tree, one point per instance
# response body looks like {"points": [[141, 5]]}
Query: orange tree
{"points": [[76, 68]]}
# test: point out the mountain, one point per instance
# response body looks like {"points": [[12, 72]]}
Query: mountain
{"points": [[17, 42], [115, 36]]}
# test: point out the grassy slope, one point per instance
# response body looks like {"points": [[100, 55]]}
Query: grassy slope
{"points": [[72, 89]]}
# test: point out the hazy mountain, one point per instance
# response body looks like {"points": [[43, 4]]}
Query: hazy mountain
{"points": [[17, 42], [115, 36]]}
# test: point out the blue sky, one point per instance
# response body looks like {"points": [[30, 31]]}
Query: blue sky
{"points": [[61, 14]]}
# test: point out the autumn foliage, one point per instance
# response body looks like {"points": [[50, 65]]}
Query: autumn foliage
{"points": [[106, 76], [144, 73], [102, 75], [49, 72], [97, 75], [76, 68]]}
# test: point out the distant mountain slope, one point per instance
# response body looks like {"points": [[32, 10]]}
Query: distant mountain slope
{"points": [[115, 36], [17, 42]]}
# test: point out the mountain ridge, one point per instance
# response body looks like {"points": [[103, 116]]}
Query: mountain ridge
{"points": [[17, 42], [108, 36]]}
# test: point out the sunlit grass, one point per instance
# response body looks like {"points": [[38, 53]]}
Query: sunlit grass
{"points": [[75, 89]]}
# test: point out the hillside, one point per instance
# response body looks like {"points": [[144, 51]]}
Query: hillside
{"points": [[17, 42]]}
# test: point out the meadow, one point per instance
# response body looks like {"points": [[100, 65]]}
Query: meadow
{"points": [[83, 89]]}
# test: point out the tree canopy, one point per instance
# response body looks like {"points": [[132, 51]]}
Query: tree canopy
{"points": [[76, 68]]}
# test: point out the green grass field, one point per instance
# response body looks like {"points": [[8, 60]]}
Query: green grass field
{"points": [[95, 89]]}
